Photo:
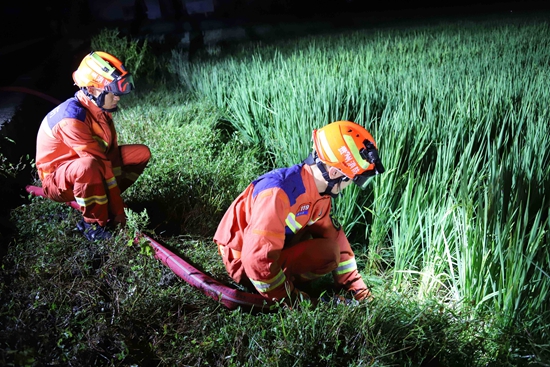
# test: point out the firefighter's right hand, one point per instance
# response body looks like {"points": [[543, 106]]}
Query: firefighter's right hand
{"points": [[363, 295]]}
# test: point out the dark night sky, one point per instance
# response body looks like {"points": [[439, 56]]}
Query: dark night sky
{"points": [[20, 24], [20, 20]]}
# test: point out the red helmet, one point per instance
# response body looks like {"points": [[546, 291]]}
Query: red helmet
{"points": [[102, 70], [349, 147]]}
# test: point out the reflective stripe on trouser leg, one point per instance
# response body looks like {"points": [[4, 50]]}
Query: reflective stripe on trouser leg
{"points": [[90, 190], [93, 202], [80, 180]]}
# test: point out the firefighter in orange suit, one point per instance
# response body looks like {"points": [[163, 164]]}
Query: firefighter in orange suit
{"points": [[279, 232], [77, 154]]}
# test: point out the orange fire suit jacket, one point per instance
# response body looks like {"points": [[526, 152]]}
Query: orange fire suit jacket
{"points": [[78, 128], [275, 211]]}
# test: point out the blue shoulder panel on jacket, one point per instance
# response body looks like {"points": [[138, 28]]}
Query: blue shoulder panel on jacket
{"points": [[71, 109], [288, 179]]}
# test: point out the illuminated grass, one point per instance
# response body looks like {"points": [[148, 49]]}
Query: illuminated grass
{"points": [[459, 113]]}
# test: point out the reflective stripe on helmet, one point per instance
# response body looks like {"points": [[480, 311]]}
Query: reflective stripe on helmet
{"points": [[355, 152], [326, 147], [104, 65]]}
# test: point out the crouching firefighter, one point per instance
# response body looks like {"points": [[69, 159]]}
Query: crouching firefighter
{"points": [[278, 233], [77, 154]]}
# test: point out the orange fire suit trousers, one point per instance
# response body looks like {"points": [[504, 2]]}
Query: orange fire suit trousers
{"points": [[84, 178], [305, 261]]}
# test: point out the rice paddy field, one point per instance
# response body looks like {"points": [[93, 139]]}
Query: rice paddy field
{"points": [[453, 238], [460, 114]]}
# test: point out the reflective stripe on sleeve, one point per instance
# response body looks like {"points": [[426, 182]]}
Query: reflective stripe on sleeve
{"points": [[111, 182], [292, 223], [117, 171], [260, 232], [132, 176], [311, 221], [101, 142], [270, 284], [346, 267], [101, 200]]}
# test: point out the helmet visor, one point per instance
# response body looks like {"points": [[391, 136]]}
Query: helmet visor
{"points": [[363, 179], [121, 85]]}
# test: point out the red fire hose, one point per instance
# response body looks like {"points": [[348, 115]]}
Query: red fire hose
{"points": [[229, 297], [30, 91]]}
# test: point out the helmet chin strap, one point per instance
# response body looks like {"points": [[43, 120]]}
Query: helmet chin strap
{"points": [[99, 100], [331, 182]]}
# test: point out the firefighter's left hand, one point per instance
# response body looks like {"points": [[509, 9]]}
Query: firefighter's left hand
{"points": [[363, 295]]}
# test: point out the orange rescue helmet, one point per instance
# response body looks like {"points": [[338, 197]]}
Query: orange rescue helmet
{"points": [[102, 70], [350, 148]]}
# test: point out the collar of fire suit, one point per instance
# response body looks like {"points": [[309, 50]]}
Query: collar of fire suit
{"points": [[312, 187], [331, 182], [91, 106]]}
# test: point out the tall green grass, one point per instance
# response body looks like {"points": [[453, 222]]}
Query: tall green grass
{"points": [[459, 114]]}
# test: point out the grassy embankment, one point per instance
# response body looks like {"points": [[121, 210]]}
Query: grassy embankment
{"points": [[453, 238]]}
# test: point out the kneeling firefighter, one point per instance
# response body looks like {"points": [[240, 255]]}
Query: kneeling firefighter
{"points": [[279, 233], [77, 154]]}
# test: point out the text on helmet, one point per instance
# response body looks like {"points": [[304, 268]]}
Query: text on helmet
{"points": [[349, 161]]}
